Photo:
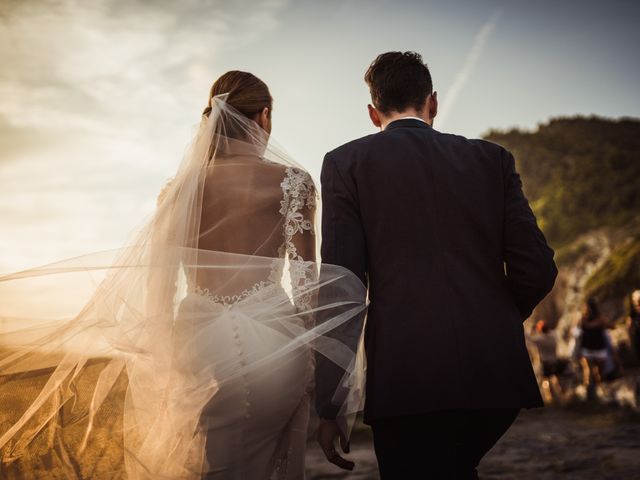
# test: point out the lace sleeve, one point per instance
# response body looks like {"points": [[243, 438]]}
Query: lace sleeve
{"points": [[298, 209]]}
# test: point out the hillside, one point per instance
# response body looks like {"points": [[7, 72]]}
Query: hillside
{"points": [[582, 177]]}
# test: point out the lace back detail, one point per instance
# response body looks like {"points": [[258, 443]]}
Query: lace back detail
{"points": [[228, 300], [298, 198], [297, 208]]}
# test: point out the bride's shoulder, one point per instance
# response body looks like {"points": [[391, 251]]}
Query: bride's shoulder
{"points": [[269, 169], [290, 177], [299, 191], [296, 179]]}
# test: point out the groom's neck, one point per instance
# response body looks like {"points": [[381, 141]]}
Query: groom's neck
{"points": [[393, 116]]}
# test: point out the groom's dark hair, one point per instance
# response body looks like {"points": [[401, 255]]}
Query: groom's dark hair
{"points": [[398, 80]]}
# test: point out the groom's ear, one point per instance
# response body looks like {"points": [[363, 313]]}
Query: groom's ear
{"points": [[374, 116], [432, 104]]}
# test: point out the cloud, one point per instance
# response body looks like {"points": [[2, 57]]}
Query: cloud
{"points": [[97, 105], [89, 64], [17, 141], [115, 74], [469, 65]]}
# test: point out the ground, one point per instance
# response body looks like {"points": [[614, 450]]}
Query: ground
{"points": [[585, 443], [583, 440]]}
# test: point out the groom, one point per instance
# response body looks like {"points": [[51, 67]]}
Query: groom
{"points": [[438, 229]]}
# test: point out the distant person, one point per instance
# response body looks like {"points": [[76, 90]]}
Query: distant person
{"points": [[575, 340], [633, 322], [613, 365], [546, 342], [593, 352]]}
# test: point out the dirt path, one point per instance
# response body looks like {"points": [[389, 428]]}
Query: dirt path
{"points": [[542, 444]]}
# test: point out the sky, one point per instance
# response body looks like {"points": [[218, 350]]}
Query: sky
{"points": [[100, 98]]}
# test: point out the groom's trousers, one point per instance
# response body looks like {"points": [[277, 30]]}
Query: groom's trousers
{"points": [[442, 445]]}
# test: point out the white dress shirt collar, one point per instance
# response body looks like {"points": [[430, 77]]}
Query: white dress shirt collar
{"points": [[404, 118]]}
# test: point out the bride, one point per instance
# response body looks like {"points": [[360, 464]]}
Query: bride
{"points": [[190, 352]]}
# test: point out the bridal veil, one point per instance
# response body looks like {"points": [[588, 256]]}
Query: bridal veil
{"points": [[158, 359]]}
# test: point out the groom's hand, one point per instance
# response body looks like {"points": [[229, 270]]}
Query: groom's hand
{"points": [[327, 434]]}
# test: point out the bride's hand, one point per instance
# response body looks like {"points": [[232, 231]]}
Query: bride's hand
{"points": [[327, 433]]}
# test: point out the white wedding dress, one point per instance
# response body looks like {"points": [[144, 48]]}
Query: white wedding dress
{"points": [[190, 352], [256, 424]]}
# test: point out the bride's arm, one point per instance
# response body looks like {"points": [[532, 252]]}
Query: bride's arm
{"points": [[299, 209]]}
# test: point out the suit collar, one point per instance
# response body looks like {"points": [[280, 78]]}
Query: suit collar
{"points": [[407, 123]]}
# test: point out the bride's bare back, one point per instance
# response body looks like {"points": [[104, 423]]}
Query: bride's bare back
{"points": [[255, 207], [240, 207]]}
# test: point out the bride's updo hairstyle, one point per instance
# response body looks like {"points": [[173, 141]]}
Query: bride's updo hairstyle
{"points": [[245, 92]]}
